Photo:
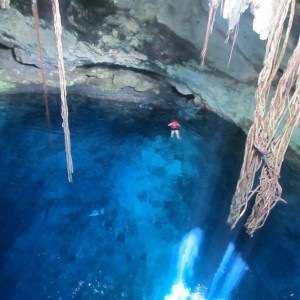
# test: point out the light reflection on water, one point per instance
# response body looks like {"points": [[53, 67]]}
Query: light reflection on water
{"points": [[226, 279]]}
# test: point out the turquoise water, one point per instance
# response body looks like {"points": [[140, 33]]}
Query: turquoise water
{"points": [[115, 231]]}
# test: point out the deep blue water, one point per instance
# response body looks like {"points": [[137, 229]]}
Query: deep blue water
{"points": [[114, 231]]}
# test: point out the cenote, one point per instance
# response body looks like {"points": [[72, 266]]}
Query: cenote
{"points": [[145, 216]]}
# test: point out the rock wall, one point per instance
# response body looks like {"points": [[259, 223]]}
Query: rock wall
{"points": [[141, 45]]}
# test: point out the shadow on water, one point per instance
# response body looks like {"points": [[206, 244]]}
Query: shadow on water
{"points": [[113, 233]]}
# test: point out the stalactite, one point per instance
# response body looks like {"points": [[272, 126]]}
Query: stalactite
{"points": [[63, 90], [42, 67], [4, 4]]}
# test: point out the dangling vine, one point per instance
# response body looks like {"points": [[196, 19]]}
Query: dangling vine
{"points": [[42, 68], [274, 121], [63, 90], [266, 143]]}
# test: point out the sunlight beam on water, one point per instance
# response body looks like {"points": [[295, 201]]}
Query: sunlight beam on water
{"points": [[228, 275], [179, 292], [221, 270], [233, 278], [226, 279], [188, 252]]}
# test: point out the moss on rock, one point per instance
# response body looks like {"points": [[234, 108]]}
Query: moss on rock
{"points": [[6, 86]]}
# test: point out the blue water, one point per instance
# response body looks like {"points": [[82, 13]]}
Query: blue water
{"points": [[115, 231]]}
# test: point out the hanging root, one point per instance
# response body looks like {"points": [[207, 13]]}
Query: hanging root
{"points": [[269, 136], [268, 194], [63, 91], [213, 6], [274, 120], [42, 68], [235, 35]]}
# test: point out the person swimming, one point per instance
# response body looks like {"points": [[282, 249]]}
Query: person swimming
{"points": [[174, 128]]}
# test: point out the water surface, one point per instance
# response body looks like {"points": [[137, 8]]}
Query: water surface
{"points": [[113, 233]]}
